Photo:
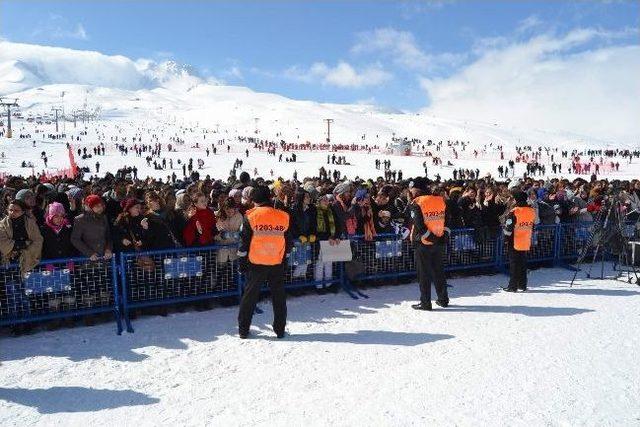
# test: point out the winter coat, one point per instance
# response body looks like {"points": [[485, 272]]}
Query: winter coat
{"points": [[453, 214], [303, 222], [225, 229], [28, 257], [91, 234], [471, 214], [227, 226], [491, 212], [130, 229], [160, 234], [57, 245], [207, 220]]}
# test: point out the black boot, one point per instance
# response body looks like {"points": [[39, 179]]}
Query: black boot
{"points": [[422, 306], [443, 304], [509, 289], [243, 334]]}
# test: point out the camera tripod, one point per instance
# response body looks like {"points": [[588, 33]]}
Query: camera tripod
{"points": [[609, 239]]}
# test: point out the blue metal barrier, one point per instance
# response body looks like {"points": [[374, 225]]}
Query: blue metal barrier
{"points": [[78, 287], [304, 269], [156, 278], [468, 248], [58, 289]]}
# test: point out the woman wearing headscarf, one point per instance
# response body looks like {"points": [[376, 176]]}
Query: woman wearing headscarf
{"points": [[56, 233]]}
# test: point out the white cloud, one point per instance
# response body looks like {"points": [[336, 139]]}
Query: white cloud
{"points": [[402, 48], [342, 75], [529, 23], [234, 72], [80, 33], [58, 27], [401, 45], [411, 8], [549, 82]]}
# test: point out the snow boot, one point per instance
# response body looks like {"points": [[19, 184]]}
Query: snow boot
{"points": [[422, 306]]}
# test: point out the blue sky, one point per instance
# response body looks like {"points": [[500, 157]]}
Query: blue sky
{"points": [[387, 53]]}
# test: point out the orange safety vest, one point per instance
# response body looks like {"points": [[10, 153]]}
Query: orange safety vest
{"points": [[268, 244], [523, 229], [432, 208]]}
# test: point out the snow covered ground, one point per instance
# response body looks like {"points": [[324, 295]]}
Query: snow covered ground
{"points": [[361, 164], [552, 356]]}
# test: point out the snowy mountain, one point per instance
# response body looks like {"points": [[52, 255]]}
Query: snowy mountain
{"points": [[139, 89]]}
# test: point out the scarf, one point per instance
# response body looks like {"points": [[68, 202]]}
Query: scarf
{"points": [[368, 224], [322, 224], [56, 228]]}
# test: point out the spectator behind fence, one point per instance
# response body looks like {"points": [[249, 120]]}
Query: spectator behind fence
{"points": [[20, 238], [56, 232], [129, 234], [228, 223], [157, 221], [200, 229], [91, 234]]}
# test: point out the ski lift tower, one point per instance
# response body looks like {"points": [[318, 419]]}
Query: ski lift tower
{"points": [[8, 104], [56, 110], [329, 121]]}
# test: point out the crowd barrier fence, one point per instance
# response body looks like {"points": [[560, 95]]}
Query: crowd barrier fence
{"points": [[71, 288]]}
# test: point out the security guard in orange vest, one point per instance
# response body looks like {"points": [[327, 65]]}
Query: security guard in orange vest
{"points": [[429, 236], [264, 245], [518, 230]]}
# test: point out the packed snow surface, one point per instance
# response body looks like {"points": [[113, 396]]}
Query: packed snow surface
{"points": [[552, 356]]}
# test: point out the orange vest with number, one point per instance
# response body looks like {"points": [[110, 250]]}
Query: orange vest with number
{"points": [[432, 208], [523, 229], [268, 226]]}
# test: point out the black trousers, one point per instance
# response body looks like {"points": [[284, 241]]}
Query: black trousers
{"points": [[256, 276], [517, 269], [430, 269]]}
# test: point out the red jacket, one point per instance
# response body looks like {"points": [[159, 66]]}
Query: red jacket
{"points": [[207, 221]]}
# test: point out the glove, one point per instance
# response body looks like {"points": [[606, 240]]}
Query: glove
{"points": [[303, 239], [312, 238], [243, 265]]}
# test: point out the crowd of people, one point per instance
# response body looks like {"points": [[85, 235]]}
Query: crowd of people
{"points": [[95, 218], [98, 217]]}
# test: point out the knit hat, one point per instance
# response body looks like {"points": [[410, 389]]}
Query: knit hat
{"points": [[93, 200], [23, 194], [514, 184], [234, 192], [361, 194], [420, 183], [247, 193], [261, 194], [74, 193], [128, 203], [342, 188]]}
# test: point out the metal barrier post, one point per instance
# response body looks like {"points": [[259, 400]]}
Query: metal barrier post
{"points": [[556, 244], [125, 297], [500, 261], [116, 294]]}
